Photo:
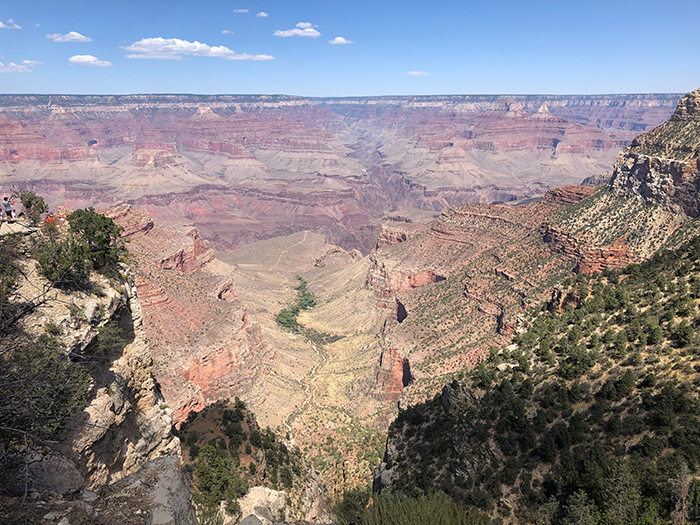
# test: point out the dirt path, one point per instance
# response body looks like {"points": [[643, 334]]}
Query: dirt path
{"points": [[287, 249], [306, 382]]}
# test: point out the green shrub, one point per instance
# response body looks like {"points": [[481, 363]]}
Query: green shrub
{"points": [[39, 389], [217, 479], [110, 337], [33, 205], [101, 237], [437, 509], [8, 277], [62, 261], [92, 243], [305, 300]]}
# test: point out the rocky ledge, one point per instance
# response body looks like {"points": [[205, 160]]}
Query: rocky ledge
{"points": [[119, 447]]}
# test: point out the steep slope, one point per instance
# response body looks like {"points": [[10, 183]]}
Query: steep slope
{"points": [[662, 166], [203, 343], [652, 197], [80, 409], [592, 412], [594, 408]]}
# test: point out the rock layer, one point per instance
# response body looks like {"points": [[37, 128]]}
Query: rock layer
{"points": [[244, 168], [204, 344]]}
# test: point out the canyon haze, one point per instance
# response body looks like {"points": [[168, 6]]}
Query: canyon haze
{"points": [[246, 168]]}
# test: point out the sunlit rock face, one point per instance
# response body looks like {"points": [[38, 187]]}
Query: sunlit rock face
{"points": [[245, 168]]}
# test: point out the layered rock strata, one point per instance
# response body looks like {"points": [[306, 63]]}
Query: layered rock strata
{"points": [[205, 346], [244, 168]]}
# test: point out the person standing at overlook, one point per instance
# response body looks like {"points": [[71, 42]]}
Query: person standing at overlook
{"points": [[7, 205]]}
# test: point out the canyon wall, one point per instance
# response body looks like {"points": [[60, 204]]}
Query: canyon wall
{"points": [[244, 168], [205, 346], [662, 167]]}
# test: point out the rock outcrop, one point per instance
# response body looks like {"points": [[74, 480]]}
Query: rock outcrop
{"points": [[388, 282], [393, 376], [157, 493], [265, 504], [189, 259], [672, 184], [662, 167], [589, 259], [120, 444], [202, 339], [568, 195], [127, 421]]}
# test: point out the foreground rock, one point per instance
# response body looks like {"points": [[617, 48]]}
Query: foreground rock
{"points": [[158, 493], [122, 439]]}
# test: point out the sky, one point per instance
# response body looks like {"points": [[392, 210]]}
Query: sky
{"points": [[349, 48]]}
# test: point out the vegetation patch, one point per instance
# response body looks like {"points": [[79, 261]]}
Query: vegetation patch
{"points": [[592, 416], [288, 316], [225, 452], [93, 242], [359, 507]]}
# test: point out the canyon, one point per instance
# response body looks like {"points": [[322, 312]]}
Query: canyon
{"points": [[427, 228], [247, 168]]}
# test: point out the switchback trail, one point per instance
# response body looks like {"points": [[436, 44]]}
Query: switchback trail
{"points": [[306, 382], [287, 249]]}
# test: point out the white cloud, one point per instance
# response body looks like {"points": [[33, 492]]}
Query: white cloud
{"points": [[262, 14], [340, 40], [240, 10], [9, 25], [89, 60], [226, 32], [174, 49], [418, 74], [305, 29], [69, 37], [24, 67]]}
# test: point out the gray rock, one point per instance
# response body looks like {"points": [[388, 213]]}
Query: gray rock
{"points": [[251, 520], [163, 494], [46, 472], [87, 495]]}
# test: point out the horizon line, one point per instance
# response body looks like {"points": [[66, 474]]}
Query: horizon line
{"points": [[165, 94]]}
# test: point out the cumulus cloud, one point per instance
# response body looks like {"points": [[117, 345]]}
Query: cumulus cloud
{"points": [[305, 29], [226, 32], [69, 37], [418, 74], [89, 60], [262, 14], [174, 49], [240, 10], [9, 25], [340, 40], [24, 67]]}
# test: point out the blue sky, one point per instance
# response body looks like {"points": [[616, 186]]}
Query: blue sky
{"points": [[380, 47]]}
